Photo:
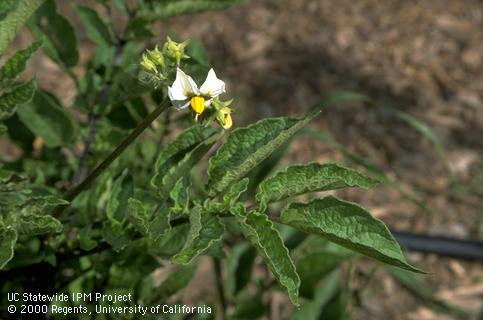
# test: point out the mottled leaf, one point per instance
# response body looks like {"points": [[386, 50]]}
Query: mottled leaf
{"points": [[235, 191], [14, 16], [16, 96], [16, 64], [246, 147], [180, 194], [259, 230], [8, 238], [348, 225], [299, 179], [36, 224], [121, 192], [115, 235], [176, 150], [185, 165], [151, 226], [205, 229]]}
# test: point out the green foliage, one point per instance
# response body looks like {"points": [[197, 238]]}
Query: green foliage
{"points": [[205, 230], [8, 237], [169, 8], [45, 117], [34, 224], [13, 16], [247, 147], [240, 265], [265, 238], [19, 94], [300, 179], [175, 152], [60, 40], [348, 225], [96, 28], [155, 225], [16, 64]]}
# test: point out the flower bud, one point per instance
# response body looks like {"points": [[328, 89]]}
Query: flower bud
{"points": [[175, 50], [223, 116], [156, 57], [148, 65]]}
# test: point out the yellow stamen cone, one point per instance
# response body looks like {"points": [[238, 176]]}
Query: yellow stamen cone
{"points": [[198, 104]]}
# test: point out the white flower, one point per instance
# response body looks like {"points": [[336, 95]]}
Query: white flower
{"points": [[184, 91]]}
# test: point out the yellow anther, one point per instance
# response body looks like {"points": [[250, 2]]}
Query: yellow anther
{"points": [[198, 104]]}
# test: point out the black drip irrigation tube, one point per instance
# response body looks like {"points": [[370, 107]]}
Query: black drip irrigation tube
{"points": [[442, 246]]}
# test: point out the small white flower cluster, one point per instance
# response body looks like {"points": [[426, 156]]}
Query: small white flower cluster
{"points": [[184, 91]]}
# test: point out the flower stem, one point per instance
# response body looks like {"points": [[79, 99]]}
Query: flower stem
{"points": [[72, 194]]}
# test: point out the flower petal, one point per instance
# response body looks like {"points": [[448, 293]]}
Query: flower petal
{"points": [[180, 104], [212, 87], [183, 87]]}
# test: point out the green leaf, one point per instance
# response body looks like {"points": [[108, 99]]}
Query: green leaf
{"points": [[160, 223], [22, 93], [176, 280], [153, 227], [299, 179], [312, 309], [176, 151], [315, 266], [171, 242], [234, 193], [197, 52], [139, 216], [8, 238], [7, 6], [121, 192], [96, 28], [184, 166], [36, 224], [139, 28], [16, 64], [14, 16], [60, 40], [240, 265], [180, 194], [259, 230], [44, 116], [169, 8], [248, 308], [86, 241], [205, 229], [115, 235], [348, 225], [246, 147]]}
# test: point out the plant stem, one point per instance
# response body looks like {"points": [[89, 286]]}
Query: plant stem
{"points": [[72, 194]]}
